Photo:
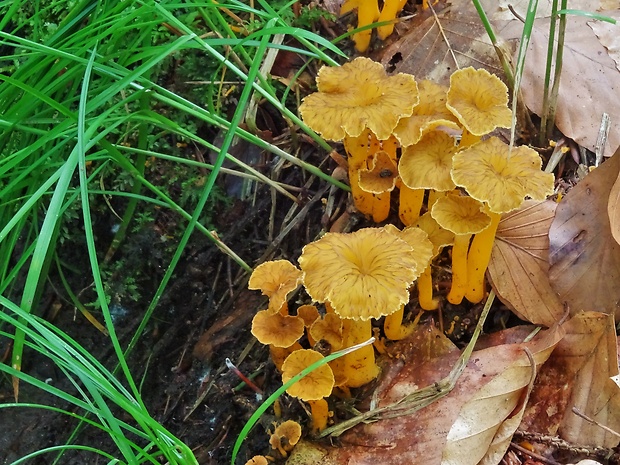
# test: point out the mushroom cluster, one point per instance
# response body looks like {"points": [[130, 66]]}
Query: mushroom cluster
{"points": [[356, 277], [431, 144]]}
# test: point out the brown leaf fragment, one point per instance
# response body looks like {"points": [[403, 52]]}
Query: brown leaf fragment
{"points": [[584, 257], [578, 374], [519, 266]]}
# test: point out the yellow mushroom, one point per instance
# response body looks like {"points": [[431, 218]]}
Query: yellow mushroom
{"points": [[285, 437], [501, 177], [308, 313], [479, 100], [312, 388], [440, 238], [360, 104], [430, 113], [423, 252], [276, 279], [278, 331], [367, 160], [464, 217], [358, 95], [362, 275], [424, 165]]}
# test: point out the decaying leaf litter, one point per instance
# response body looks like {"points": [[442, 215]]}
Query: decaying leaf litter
{"points": [[552, 381]]}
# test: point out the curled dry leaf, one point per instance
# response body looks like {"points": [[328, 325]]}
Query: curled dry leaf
{"points": [[584, 258], [519, 265], [578, 374]]}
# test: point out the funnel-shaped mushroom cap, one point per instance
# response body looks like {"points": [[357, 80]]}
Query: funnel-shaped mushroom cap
{"points": [[479, 100], [308, 313], [286, 436], [381, 177], [276, 329], [427, 164], [363, 275], [430, 113], [461, 215], [419, 242], [492, 173], [358, 95], [276, 279], [328, 329], [439, 237], [318, 384]]}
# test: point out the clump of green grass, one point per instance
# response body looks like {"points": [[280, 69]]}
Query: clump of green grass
{"points": [[78, 80]]}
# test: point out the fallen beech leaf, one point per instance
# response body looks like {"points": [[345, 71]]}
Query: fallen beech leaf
{"points": [[589, 85], [519, 266], [441, 44], [578, 374], [489, 391], [584, 257]]}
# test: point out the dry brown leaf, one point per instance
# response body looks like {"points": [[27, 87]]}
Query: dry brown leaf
{"points": [[440, 45], [613, 210], [584, 257], [519, 266], [609, 36], [578, 374], [489, 391], [589, 85]]}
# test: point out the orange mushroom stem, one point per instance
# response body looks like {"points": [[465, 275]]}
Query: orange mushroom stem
{"points": [[390, 10], [320, 414], [459, 268], [425, 290], [367, 13], [478, 259], [410, 204], [358, 367], [464, 217], [394, 328]]}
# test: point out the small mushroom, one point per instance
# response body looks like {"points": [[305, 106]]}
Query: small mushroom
{"points": [[285, 437], [440, 238], [362, 275], [422, 251], [425, 165], [278, 331], [312, 388], [276, 279], [328, 329], [502, 177], [429, 114], [464, 217], [370, 199], [309, 314], [479, 100]]}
